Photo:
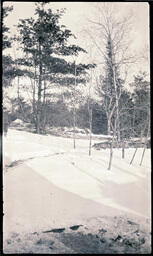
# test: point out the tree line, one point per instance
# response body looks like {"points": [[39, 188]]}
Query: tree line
{"points": [[45, 47]]}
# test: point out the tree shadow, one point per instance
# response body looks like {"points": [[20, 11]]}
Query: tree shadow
{"points": [[32, 200], [134, 196]]}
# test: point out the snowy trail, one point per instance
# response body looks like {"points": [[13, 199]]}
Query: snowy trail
{"points": [[81, 185]]}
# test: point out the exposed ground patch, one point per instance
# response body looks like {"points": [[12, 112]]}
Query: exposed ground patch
{"points": [[102, 238]]}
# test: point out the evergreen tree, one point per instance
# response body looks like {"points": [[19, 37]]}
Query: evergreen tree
{"points": [[45, 43], [7, 62], [109, 88], [5, 30], [126, 106], [141, 101]]}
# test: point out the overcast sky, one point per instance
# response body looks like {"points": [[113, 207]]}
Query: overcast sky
{"points": [[78, 12]]}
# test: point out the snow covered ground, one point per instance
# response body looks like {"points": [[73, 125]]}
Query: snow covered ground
{"points": [[53, 185]]}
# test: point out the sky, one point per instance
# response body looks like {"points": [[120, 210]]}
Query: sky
{"points": [[77, 17], [78, 13]]}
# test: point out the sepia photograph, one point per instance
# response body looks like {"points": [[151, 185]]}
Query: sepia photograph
{"points": [[76, 138]]}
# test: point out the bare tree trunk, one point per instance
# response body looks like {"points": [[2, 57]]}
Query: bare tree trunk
{"points": [[74, 110], [34, 98], [18, 92], [111, 148], [44, 108], [123, 148], [19, 101], [90, 138], [133, 155], [144, 149], [90, 109], [143, 155], [74, 127], [111, 156], [118, 124], [109, 125], [39, 93], [117, 106]]}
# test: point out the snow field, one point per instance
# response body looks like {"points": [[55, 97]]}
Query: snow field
{"points": [[125, 188]]}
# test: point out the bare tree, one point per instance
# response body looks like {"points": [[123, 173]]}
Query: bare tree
{"points": [[113, 45]]}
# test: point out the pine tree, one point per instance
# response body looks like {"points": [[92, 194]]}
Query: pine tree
{"points": [[141, 101], [45, 44], [7, 62], [109, 87]]}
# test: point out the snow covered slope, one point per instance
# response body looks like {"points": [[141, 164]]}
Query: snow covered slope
{"points": [[57, 185]]}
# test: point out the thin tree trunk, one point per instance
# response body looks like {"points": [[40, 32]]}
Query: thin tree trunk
{"points": [[34, 99], [144, 149], [90, 111], [117, 106], [44, 108], [74, 111], [123, 148], [111, 156], [74, 127], [111, 148], [133, 155], [108, 126], [19, 101], [39, 92], [142, 155], [118, 123], [18, 92], [90, 138]]}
